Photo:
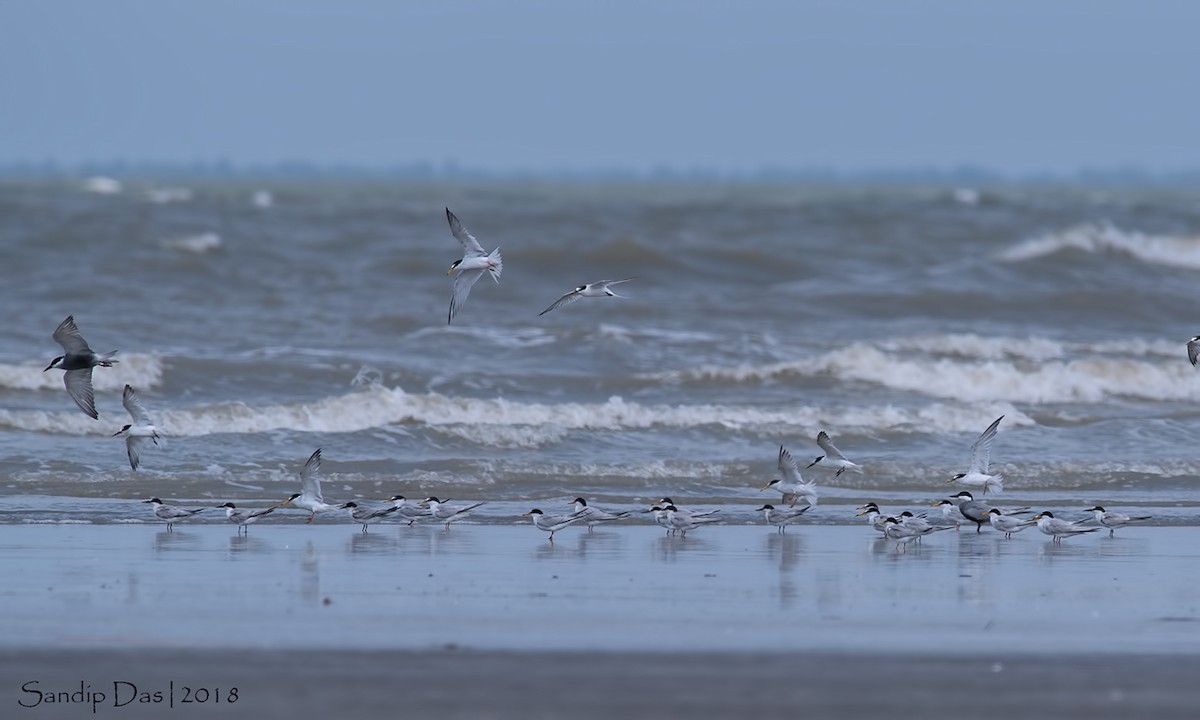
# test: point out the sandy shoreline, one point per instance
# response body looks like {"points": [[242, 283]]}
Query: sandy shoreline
{"points": [[464, 684], [491, 621]]}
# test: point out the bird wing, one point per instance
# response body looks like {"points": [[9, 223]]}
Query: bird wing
{"points": [[134, 405], [981, 451], [79, 387], [67, 335], [463, 282], [260, 513], [133, 448], [1193, 351], [788, 469], [310, 484], [827, 445], [467, 240], [564, 300]]}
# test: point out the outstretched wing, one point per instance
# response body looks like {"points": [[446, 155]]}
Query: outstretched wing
{"points": [[788, 469], [981, 451], [67, 335], [79, 387], [133, 448], [469, 244], [310, 484], [463, 282], [827, 445], [134, 406], [564, 300], [1194, 351]]}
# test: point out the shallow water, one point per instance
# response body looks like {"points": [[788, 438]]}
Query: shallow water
{"points": [[628, 588]]}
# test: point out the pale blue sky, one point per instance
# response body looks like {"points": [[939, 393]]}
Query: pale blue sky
{"points": [[1011, 85]]}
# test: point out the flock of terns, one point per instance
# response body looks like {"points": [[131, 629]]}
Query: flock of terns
{"points": [[79, 359]]}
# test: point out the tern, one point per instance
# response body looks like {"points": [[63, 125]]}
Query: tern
{"points": [[594, 516], [1113, 520], [309, 498], [470, 266], [782, 517], [1007, 524], [1058, 529], [169, 513], [553, 523], [682, 521], [139, 430], [977, 473], [951, 512], [411, 512], [244, 517], [903, 533], [596, 289], [874, 518], [78, 363], [442, 512], [366, 515], [790, 483], [833, 458]]}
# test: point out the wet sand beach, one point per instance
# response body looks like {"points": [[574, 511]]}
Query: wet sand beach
{"points": [[492, 620]]}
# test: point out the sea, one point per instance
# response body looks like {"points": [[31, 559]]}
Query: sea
{"points": [[259, 321]]}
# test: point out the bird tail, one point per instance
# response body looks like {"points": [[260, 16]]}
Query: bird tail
{"points": [[995, 485], [496, 265]]}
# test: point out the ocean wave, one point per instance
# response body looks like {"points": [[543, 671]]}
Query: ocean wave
{"points": [[197, 244], [1181, 252], [138, 370], [973, 368], [505, 423]]}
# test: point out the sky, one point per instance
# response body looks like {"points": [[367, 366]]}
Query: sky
{"points": [[1011, 86]]}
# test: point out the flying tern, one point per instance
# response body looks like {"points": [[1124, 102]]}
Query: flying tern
{"points": [[137, 432], [78, 363], [603, 288], [470, 266], [977, 473], [833, 458]]}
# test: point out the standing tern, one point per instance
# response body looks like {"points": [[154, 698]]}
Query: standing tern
{"points": [[470, 266], [596, 289], [366, 515], [309, 498], [782, 517], [594, 516], [244, 517], [169, 513], [903, 533], [951, 513], [1113, 520], [139, 430], [874, 518], [442, 512], [411, 512], [790, 483], [977, 473], [682, 521], [553, 523], [1058, 529], [833, 458], [1007, 524], [78, 363]]}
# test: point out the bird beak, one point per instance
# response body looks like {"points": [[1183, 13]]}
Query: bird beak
{"points": [[764, 487], [114, 434], [450, 270], [951, 480]]}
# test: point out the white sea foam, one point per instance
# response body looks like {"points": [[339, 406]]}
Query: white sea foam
{"points": [[1155, 249], [202, 243], [973, 368], [138, 370], [501, 422]]}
